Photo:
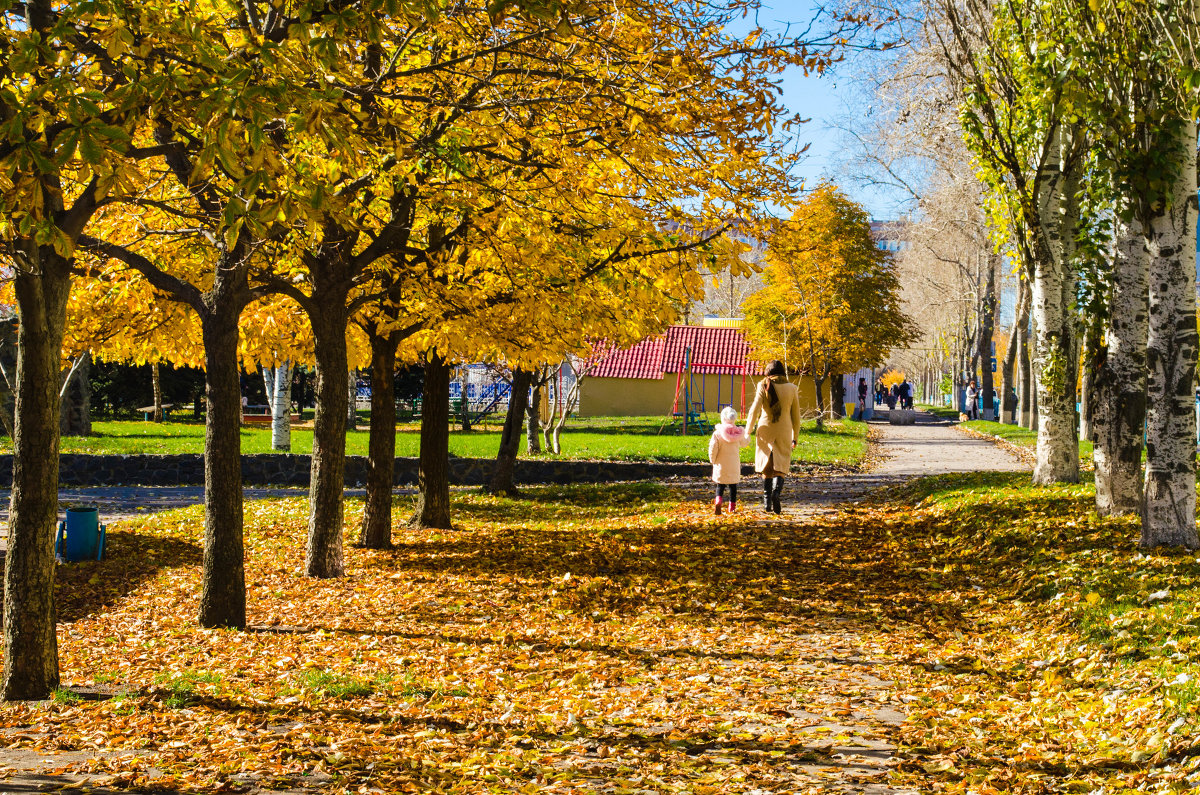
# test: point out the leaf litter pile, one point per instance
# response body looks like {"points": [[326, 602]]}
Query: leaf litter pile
{"points": [[615, 639]]}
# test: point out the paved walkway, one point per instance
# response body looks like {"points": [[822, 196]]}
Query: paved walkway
{"points": [[930, 447]]}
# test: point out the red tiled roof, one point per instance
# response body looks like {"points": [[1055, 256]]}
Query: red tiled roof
{"points": [[720, 351], [643, 360]]}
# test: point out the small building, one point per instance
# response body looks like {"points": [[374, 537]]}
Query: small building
{"points": [[651, 378]]}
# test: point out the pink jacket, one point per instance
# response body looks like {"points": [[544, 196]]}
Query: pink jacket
{"points": [[724, 450]]}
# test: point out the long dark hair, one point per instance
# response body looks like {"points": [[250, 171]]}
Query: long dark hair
{"points": [[774, 369]]}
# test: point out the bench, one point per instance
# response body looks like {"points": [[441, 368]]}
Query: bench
{"points": [[148, 411], [263, 419]]}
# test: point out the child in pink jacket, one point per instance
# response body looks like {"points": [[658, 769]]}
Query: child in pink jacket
{"points": [[724, 452]]}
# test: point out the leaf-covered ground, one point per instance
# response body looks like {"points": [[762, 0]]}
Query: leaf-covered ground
{"points": [[614, 639], [589, 639]]}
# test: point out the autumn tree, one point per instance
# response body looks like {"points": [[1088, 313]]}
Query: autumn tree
{"points": [[831, 300]]}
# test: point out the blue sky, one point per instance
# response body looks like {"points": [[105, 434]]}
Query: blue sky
{"points": [[822, 100]]}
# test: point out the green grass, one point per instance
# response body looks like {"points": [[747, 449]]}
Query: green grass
{"points": [[1020, 436], [843, 443]]}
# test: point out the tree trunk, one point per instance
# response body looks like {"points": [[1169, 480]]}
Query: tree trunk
{"points": [[433, 478], [223, 597], [1054, 362], [381, 447], [30, 643], [324, 556], [156, 386], [533, 420], [1169, 507], [464, 401], [352, 400], [820, 384], [1009, 400], [1119, 383], [279, 395], [987, 322], [837, 395], [76, 400], [1089, 362], [510, 439]]}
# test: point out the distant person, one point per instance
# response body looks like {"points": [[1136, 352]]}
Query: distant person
{"points": [[775, 417], [863, 390], [724, 453], [972, 400], [880, 391], [892, 395], [906, 394]]}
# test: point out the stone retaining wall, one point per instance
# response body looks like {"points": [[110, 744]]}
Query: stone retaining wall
{"points": [[278, 469]]}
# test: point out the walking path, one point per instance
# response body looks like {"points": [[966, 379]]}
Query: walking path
{"points": [[853, 712], [873, 709]]}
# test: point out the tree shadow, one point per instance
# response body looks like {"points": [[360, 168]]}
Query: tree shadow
{"points": [[130, 559]]}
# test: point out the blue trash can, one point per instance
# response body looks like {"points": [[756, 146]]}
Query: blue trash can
{"points": [[81, 536]]}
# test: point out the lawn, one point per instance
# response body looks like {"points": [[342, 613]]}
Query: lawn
{"points": [[1063, 659], [1017, 435], [844, 443]]}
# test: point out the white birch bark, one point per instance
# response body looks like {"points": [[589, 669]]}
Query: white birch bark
{"points": [[280, 397], [1169, 506], [1119, 385], [1054, 342]]}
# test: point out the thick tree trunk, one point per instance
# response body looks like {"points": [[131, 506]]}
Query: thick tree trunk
{"points": [[381, 448], [510, 439], [1169, 508], [1054, 362], [987, 322], [30, 643], [223, 596], [1119, 383], [433, 478], [324, 556], [533, 421], [156, 387], [279, 395]]}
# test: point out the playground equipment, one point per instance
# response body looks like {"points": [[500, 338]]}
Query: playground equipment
{"points": [[695, 400]]}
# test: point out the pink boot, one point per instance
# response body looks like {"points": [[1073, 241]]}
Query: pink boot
{"points": [[732, 506], [717, 507]]}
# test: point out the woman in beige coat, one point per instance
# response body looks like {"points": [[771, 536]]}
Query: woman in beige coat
{"points": [[775, 416]]}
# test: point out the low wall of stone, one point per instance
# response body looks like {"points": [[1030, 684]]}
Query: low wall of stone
{"points": [[279, 469]]}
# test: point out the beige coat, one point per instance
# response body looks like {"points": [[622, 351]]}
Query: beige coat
{"points": [[773, 440], [724, 453]]}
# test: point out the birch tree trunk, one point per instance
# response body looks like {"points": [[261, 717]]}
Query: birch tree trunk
{"points": [[278, 383], [1054, 363], [1119, 383], [1089, 362], [1169, 507], [819, 383], [352, 400]]}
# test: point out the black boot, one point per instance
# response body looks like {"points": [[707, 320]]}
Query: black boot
{"points": [[767, 495], [776, 490]]}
